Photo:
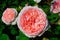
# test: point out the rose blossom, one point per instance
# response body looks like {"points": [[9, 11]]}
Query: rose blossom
{"points": [[55, 7], [9, 15], [32, 21]]}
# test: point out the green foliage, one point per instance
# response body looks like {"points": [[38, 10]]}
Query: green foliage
{"points": [[53, 17], [3, 5], [57, 32], [46, 8], [31, 2], [4, 37], [18, 8], [1, 28], [58, 27], [13, 31], [21, 36], [53, 38], [23, 4]]}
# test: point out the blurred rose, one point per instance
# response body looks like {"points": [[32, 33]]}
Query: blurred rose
{"points": [[55, 7]]}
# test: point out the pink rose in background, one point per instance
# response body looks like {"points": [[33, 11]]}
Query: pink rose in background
{"points": [[55, 7], [9, 16]]}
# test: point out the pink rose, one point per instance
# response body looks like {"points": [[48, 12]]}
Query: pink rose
{"points": [[9, 15], [32, 21], [55, 7]]}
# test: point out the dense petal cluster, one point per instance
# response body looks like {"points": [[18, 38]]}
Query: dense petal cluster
{"points": [[32, 21], [9, 15]]}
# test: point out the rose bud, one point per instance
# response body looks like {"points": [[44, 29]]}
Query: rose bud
{"points": [[32, 21], [9, 16]]}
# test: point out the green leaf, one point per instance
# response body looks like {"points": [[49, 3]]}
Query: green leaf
{"points": [[18, 8], [1, 28], [53, 17], [58, 27], [46, 8], [45, 38], [13, 31], [3, 4], [23, 4], [56, 32], [15, 2], [4, 37], [53, 38], [31, 2], [21, 36]]}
